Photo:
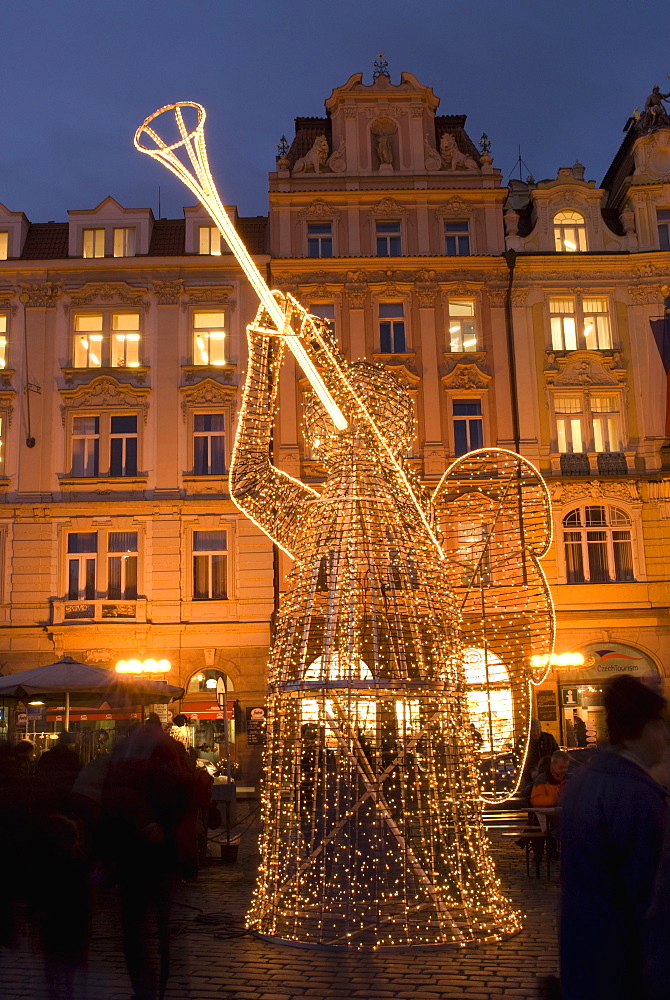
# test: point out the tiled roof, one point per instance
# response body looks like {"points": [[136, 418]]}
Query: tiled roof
{"points": [[167, 238], [46, 241], [253, 231]]}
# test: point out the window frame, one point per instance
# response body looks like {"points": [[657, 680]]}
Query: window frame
{"points": [[399, 320], [579, 315], [587, 416], [663, 228], [98, 238], [106, 337], [4, 337], [202, 553], [453, 319], [207, 331], [474, 399], [213, 238], [582, 543], [399, 235], [4, 244], [195, 433], [562, 226], [128, 241], [104, 436], [458, 236], [330, 320], [102, 575], [318, 239]]}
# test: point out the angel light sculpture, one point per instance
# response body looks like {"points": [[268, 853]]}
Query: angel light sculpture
{"points": [[372, 804]]}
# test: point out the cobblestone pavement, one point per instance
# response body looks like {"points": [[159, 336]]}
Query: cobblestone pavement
{"points": [[212, 957]]}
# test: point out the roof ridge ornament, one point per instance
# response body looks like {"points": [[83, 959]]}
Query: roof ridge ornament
{"points": [[381, 67]]}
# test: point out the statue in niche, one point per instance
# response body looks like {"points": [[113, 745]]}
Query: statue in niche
{"points": [[315, 160], [383, 130], [373, 832], [452, 158]]}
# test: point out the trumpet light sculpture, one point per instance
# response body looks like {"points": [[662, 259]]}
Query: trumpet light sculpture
{"points": [[372, 833]]}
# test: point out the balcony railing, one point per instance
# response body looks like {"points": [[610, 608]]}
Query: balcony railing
{"points": [[98, 610]]}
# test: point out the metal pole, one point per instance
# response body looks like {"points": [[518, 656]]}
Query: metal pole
{"points": [[226, 734], [66, 724]]}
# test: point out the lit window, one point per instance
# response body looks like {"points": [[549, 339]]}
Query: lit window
{"points": [[209, 338], [580, 323], [326, 312], [113, 578], [606, 423], [4, 245], [596, 324], [3, 340], [392, 328], [462, 332], [468, 425], [457, 239], [598, 545], [109, 339], [93, 243], [210, 566], [208, 444], [85, 446], [473, 555], [569, 232], [209, 241], [489, 696], [388, 239], [563, 324], [663, 220], [104, 444], [569, 424], [124, 242], [319, 239]]}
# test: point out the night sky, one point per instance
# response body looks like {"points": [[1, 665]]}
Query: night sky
{"points": [[557, 77]]}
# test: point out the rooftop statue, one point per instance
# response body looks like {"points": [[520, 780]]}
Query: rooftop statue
{"points": [[655, 114], [452, 157]]}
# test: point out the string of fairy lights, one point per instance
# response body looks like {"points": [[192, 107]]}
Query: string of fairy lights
{"points": [[406, 620]]}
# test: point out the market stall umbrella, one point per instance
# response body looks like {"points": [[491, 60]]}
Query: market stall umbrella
{"points": [[70, 677]]}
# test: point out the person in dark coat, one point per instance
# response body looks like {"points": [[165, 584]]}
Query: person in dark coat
{"points": [[614, 818], [541, 744]]}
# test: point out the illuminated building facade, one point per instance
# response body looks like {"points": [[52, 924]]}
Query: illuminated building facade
{"points": [[123, 348]]}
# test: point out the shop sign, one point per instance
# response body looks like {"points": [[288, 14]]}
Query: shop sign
{"points": [[607, 659], [256, 727], [546, 706], [570, 697]]}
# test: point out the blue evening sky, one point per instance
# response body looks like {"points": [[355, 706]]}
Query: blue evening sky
{"points": [[557, 77]]}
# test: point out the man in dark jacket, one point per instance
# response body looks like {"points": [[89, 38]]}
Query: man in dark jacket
{"points": [[614, 817]]}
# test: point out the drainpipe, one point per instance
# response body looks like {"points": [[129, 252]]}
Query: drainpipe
{"points": [[510, 259]]}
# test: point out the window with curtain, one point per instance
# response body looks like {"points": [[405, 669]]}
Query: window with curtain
{"points": [[122, 557], [598, 545], [210, 565], [569, 232], [208, 444]]}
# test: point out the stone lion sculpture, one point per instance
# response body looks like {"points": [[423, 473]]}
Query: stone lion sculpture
{"points": [[315, 160], [452, 157]]}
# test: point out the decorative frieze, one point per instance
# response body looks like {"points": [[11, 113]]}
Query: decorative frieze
{"points": [[584, 368], [466, 377], [454, 208], [102, 392], [388, 207], [108, 292], [642, 294], [168, 293], [319, 209], [44, 295], [206, 393], [595, 489]]}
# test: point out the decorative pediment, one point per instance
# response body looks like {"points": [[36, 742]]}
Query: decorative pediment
{"points": [[565, 493], [652, 158], [319, 209], [209, 295], [103, 392], [426, 287], [387, 207], [208, 392], [109, 293], [403, 368], [497, 296], [584, 368], [464, 377], [356, 288], [6, 296], [454, 208]]}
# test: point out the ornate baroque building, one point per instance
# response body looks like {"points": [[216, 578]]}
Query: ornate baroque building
{"points": [[524, 316]]}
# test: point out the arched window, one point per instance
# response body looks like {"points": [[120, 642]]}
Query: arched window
{"points": [[569, 232], [489, 695], [598, 545], [205, 681]]}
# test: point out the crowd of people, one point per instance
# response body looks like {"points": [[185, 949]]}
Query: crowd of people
{"points": [[134, 818]]}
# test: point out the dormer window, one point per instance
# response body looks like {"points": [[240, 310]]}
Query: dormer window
{"points": [[209, 241], [124, 242], [4, 245], [569, 232], [93, 244]]}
